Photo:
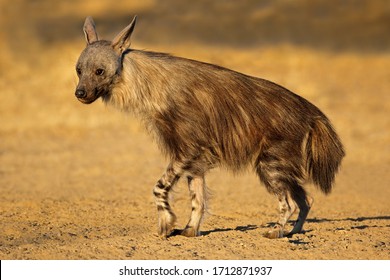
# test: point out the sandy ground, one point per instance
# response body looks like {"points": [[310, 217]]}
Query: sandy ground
{"points": [[76, 181]]}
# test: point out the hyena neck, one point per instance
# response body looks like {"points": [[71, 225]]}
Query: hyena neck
{"points": [[140, 86]]}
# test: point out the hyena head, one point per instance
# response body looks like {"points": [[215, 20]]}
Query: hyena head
{"points": [[100, 63]]}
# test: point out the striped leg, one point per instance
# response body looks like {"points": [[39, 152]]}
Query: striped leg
{"points": [[282, 178], [198, 193], [286, 209], [166, 217], [287, 206]]}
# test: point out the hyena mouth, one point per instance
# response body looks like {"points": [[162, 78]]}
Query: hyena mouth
{"points": [[92, 97], [87, 100]]}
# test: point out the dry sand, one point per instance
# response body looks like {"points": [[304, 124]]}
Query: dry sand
{"points": [[76, 181]]}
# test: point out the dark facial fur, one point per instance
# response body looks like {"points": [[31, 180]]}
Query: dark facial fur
{"points": [[97, 68]]}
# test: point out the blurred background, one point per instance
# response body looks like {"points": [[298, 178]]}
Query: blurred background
{"points": [[348, 25], [334, 53]]}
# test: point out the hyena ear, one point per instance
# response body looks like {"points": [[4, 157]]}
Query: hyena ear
{"points": [[122, 41], [90, 31]]}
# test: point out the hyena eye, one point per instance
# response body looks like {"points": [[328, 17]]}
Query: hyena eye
{"points": [[78, 70], [99, 72]]}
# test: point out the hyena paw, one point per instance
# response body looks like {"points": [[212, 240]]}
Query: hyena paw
{"points": [[276, 232], [190, 232], [166, 224]]}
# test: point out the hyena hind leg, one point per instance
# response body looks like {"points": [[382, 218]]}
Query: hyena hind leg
{"points": [[287, 207], [288, 200], [198, 193], [304, 203], [277, 177], [166, 217]]}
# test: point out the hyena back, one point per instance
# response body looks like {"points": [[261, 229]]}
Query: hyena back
{"points": [[204, 116]]}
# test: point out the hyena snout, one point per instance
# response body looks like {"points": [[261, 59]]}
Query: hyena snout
{"points": [[86, 96], [80, 93]]}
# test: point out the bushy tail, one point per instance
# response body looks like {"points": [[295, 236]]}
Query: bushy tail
{"points": [[324, 153]]}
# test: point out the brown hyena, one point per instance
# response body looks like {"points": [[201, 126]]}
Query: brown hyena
{"points": [[204, 116]]}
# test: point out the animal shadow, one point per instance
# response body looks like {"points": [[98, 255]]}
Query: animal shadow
{"points": [[238, 228], [246, 228], [355, 220]]}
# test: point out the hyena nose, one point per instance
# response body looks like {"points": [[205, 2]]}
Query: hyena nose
{"points": [[80, 93]]}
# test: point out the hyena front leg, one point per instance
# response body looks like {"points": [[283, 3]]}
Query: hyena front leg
{"points": [[198, 193], [166, 217]]}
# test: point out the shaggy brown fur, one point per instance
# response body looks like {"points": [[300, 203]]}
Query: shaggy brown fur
{"points": [[204, 116]]}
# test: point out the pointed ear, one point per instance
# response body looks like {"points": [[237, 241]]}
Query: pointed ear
{"points": [[122, 41], [90, 31]]}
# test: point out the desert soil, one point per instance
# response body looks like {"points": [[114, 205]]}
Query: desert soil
{"points": [[76, 181]]}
